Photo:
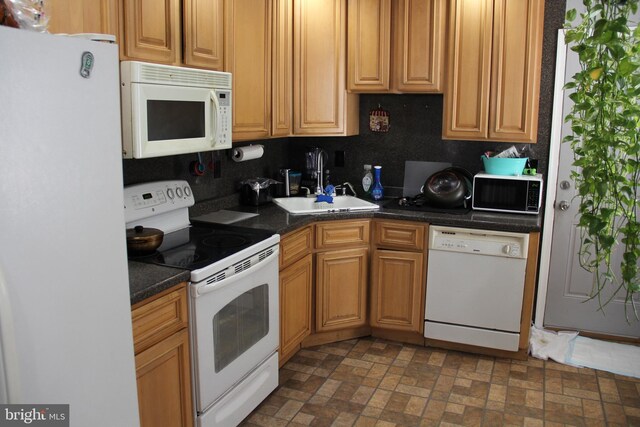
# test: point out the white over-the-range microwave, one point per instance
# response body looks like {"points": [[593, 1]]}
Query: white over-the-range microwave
{"points": [[168, 110], [503, 193]]}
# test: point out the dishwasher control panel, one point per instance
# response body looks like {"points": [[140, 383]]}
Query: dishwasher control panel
{"points": [[480, 242]]}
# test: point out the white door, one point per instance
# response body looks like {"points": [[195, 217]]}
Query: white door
{"points": [[569, 286]]}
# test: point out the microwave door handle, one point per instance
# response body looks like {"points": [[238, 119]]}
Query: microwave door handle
{"points": [[216, 119]]}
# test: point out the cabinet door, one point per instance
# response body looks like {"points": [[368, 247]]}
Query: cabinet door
{"points": [[466, 100], [83, 16], [164, 383], [397, 290], [248, 58], [150, 31], [295, 304], [369, 40], [402, 235], [339, 234], [282, 80], [493, 83], [341, 289], [156, 320], [418, 45], [295, 245], [203, 33], [515, 72], [321, 105]]}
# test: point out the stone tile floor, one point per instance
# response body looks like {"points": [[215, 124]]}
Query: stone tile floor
{"points": [[372, 382]]}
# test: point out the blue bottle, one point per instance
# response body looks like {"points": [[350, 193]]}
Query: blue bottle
{"points": [[377, 192]]}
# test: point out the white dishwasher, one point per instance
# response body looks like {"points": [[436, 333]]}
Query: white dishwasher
{"points": [[475, 285]]}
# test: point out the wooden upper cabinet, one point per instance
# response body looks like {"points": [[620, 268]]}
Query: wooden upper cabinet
{"points": [[282, 69], [369, 42], [203, 22], [515, 71], [396, 46], [321, 104], [494, 63], [151, 31], [83, 16], [418, 45], [247, 55]]}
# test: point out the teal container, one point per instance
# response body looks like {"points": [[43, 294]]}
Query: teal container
{"points": [[504, 166]]}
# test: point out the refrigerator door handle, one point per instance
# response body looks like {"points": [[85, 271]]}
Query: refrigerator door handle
{"points": [[9, 366]]}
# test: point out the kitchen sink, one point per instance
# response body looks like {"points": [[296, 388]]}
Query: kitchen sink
{"points": [[308, 205]]}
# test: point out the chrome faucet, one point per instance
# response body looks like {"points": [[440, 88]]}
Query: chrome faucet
{"points": [[319, 168]]}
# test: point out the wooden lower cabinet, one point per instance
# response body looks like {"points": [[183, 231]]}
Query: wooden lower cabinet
{"points": [[397, 290], [163, 360], [295, 304], [164, 385], [341, 289]]}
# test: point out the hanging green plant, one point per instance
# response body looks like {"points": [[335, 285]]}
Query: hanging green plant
{"points": [[605, 121]]}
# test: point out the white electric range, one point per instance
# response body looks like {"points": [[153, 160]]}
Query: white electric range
{"points": [[233, 304]]}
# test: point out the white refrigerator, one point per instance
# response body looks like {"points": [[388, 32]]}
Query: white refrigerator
{"points": [[65, 317]]}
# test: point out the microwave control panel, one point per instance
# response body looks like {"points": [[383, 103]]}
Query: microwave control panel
{"points": [[224, 100]]}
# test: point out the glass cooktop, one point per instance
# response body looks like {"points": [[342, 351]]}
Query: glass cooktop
{"points": [[200, 245]]}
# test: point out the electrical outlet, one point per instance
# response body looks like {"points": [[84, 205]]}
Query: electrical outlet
{"points": [[217, 170], [339, 158]]}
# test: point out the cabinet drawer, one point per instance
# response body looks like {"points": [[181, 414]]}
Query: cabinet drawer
{"points": [[400, 235], [295, 245], [342, 233], [160, 318]]}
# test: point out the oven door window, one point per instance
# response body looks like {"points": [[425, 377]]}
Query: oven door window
{"points": [[239, 325]]}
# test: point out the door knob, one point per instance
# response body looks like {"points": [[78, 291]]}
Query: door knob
{"points": [[563, 205]]}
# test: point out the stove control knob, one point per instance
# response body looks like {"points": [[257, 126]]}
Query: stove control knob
{"points": [[179, 192], [187, 191], [170, 194]]}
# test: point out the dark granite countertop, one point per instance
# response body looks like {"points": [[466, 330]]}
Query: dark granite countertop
{"points": [[146, 280], [271, 217]]}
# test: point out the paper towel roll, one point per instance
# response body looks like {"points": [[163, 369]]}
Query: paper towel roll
{"points": [[247, 153]]}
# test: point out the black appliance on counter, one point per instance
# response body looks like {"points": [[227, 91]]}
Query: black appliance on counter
{"points": [[448, 190]]}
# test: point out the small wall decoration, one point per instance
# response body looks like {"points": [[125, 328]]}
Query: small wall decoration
{"points": [[379, 120]]}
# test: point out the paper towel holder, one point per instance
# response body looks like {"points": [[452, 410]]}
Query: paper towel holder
{"points": [[249, 152]]}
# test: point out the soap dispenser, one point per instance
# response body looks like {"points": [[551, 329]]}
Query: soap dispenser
{"points": [[367, 180]]}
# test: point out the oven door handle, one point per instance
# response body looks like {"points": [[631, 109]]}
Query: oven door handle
{"points": [[207, 288]]}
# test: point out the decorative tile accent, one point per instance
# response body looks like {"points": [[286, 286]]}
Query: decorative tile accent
{"points": [[376, 383]]}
